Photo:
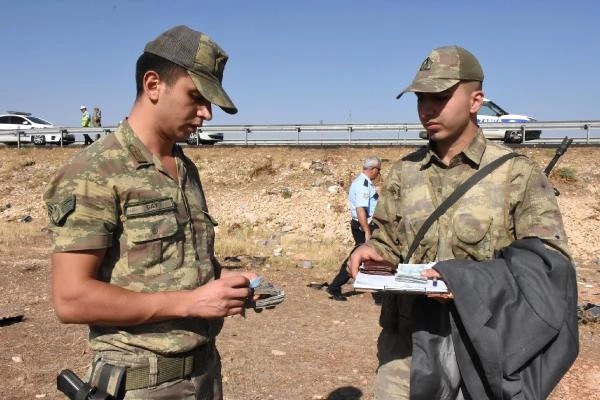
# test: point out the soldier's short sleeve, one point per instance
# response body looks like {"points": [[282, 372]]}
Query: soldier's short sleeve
{"points": [[81, 211], [538, 214]]}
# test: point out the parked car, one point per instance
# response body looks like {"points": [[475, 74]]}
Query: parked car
{"points": [[17, 123], [491, 112], [205, 138], [22, 120]]}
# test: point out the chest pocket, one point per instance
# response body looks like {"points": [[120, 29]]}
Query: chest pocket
{"points": [[472, 238], [154, 242]]}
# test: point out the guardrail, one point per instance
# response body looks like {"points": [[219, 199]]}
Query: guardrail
{"points": [[583, 132], [24, 136], [396, 133]]}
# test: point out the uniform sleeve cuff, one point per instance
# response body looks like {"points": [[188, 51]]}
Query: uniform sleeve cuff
{"points": [[92, 242]]}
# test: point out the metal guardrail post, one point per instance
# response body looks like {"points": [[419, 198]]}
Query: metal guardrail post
{"points": [[298, 135], [349, 135], [246, 132], [18, 139], [587, 133]]}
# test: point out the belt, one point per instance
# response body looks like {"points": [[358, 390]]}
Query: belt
{"points": [[369, 220], [113, 370], [167, 369]]}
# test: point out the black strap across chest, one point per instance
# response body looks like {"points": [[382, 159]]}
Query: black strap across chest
{"points": [[458, 193]]}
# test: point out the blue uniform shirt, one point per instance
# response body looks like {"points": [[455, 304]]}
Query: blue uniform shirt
{"points": [[362, 193]]}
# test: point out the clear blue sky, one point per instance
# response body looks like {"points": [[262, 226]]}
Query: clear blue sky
{"points": [[306, 61]]}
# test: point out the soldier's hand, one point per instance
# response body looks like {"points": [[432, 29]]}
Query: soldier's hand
{"points": [[220, 298], [361, 254], [432, 273]]}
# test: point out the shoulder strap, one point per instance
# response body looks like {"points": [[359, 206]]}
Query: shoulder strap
{"points": [[458, 192]]}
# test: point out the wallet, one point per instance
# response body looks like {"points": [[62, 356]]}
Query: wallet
{"points": [[377, 269]]}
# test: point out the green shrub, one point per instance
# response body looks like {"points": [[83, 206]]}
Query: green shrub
{"points": [[566, 174], [286, 193]]}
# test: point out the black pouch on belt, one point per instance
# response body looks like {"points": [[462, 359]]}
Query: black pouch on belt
{"points": [[109, 378]]}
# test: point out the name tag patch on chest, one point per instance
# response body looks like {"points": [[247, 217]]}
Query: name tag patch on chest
{"points": [[149, 207]]}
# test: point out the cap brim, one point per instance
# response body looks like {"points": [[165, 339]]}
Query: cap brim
{"points": [[429, 85], [212, 90]]}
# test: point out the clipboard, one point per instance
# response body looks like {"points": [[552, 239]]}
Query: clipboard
{"points": [[407, 279]]}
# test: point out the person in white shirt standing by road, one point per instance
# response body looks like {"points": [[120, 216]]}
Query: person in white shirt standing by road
{"points": [[362, 199]]}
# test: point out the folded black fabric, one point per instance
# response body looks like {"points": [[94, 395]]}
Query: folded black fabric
{"points": [[514, 322]]}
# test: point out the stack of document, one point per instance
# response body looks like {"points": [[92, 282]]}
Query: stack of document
{"points": [[407, 279]]}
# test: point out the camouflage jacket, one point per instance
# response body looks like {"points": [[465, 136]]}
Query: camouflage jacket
{"points": [[157, 232], [513, 202]]}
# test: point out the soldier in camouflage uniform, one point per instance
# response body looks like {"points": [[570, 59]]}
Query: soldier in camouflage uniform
{"points": [[133, 242], [513, 202]]}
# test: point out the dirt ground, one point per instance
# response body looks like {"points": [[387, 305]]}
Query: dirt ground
{"points": [[291, 202]]}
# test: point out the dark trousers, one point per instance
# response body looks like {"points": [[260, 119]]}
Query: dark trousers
{"points": [[88, 139], [335, 287]]}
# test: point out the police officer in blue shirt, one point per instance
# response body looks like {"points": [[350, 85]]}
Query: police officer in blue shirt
{"points": [[362, 199]]}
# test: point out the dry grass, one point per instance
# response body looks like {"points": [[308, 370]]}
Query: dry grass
{"points": [[325, 255], [238, 240], [19, 234], [279, 250], [265, 167], [291, 352]]}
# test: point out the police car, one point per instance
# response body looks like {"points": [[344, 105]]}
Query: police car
{"points": [[491, 112], [18, 124], [205, 138]]}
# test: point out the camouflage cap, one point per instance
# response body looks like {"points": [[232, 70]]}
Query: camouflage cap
{"points": [[444, 68], [200, 56]]}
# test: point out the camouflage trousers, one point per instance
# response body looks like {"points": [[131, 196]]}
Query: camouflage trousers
{"points": [[204, 382], [395, 354], [393, 374]]}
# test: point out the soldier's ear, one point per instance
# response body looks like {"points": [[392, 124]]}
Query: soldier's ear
{"points": [[151, 84], [476, 101]]}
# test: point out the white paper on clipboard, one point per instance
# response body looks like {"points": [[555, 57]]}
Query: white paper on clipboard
{"points": [[407, 279]]}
